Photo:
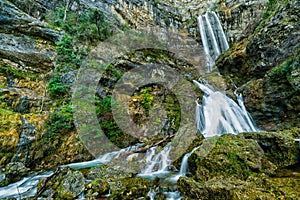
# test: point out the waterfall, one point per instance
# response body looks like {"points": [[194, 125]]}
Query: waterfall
{"points": [[219, 114], [156, 164], [213, 38]]}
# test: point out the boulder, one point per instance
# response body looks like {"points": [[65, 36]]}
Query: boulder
{"points": [[64, 184], [229, 156]]}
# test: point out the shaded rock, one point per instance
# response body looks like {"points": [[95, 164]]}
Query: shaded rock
{"points": [[279, 147], [37, 9]]}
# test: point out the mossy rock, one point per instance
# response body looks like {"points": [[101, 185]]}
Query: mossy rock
{"points": [[229, 156], [279, 147], [64, 184], [130, 188], [97, 188], [221, 188]]}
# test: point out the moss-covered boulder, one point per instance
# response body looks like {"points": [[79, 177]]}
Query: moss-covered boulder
{"points": [[97, 188], [130, 188], [243, 155], [230, 155], [279, 147], [65, 183], [255, 187]]}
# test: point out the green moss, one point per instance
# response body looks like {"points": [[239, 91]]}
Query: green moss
{"points": [[8, 70]]}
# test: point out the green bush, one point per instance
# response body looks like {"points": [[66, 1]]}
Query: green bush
{"points": [[283, 70], [60, 122], [147, 98], [85, 25], [57, 88], [106, 120]]}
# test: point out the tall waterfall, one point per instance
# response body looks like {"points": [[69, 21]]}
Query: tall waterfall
{"points": [[219, 114], [213, 37]]}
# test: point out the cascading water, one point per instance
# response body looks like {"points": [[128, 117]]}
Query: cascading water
{"points": [[23, 188], [156, 164], [213, 38], [103, 159], [183, 167], [219, 114]]}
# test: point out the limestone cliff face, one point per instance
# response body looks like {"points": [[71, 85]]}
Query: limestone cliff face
{"points": [[237, 16]]}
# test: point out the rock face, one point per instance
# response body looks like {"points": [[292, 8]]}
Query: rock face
{"points": [[181, 15], [17, 43], [27, 136], [238, 17], [265, 67]]}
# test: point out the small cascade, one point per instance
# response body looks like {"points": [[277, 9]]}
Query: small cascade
{"points": [[213, 38], [184, 162], [183, 167], [219, 114], [156, 164]]}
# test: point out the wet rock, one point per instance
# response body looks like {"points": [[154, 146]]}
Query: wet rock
{"points": [[23, 107], [14, 171]]}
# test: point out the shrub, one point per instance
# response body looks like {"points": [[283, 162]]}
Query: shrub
{"points": [[147, 98], [57, 88], [60, 122], [106, 120]]}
